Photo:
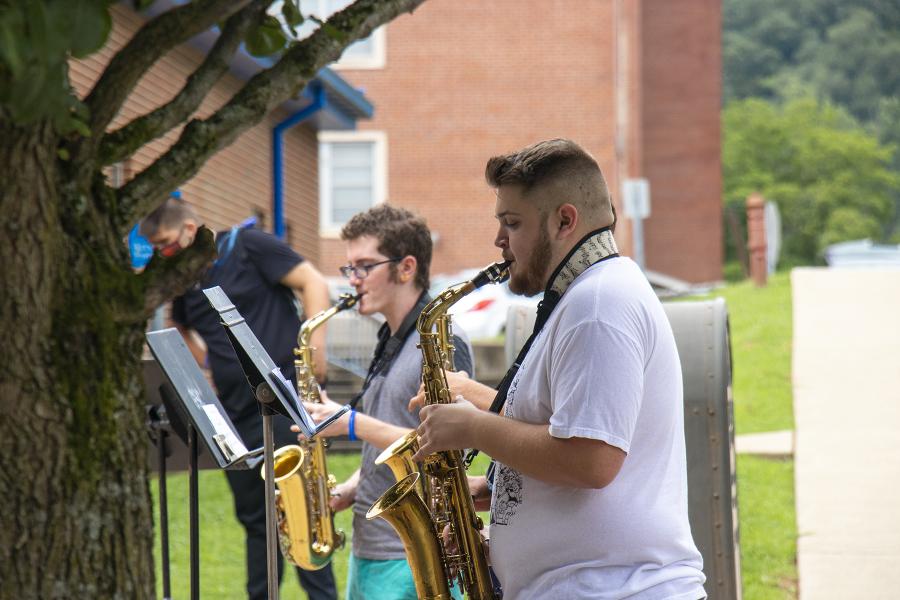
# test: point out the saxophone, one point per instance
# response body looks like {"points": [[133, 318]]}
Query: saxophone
{"points": [[422, 504], [306, 530]]}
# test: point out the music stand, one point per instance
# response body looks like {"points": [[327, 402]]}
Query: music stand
{"points": [[274, 394], [189, 399]]}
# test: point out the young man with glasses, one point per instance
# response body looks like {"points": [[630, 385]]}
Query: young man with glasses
{"points": [[260, 274], [389, 254]]}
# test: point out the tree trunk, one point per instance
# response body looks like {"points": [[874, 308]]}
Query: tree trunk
{"points": [[74, 494]]}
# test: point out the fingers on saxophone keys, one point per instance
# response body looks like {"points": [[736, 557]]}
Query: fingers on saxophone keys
{"points": [[423, 444]]}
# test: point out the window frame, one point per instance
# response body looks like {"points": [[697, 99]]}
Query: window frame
{"points": [[327, 227], [376, 60], [378, 57]]}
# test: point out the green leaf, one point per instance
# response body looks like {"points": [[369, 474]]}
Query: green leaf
{"points": [[9, 47], [62, 153], [292, 15], [38, 27], [89, 24], [80, 127], [265, 39]]}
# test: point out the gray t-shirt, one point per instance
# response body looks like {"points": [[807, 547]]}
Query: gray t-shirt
{"points": [[386, 399]]}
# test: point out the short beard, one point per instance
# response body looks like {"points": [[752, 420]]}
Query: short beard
{"points": [[531, 281]]}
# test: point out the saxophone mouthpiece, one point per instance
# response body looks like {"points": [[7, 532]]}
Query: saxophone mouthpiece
{"points": [[348, 301], [495, 273]]}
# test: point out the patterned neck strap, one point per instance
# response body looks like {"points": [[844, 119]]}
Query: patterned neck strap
{"points": [[592, 248], [596, 246]]}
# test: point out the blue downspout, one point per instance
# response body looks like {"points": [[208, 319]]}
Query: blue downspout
{"points": [[278, 156]]}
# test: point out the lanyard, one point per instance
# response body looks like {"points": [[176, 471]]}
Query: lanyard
{"points": [[389, 346]]}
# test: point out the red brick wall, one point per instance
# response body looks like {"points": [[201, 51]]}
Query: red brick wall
{"points": [[681, 148], [467, 80], [237, 180], [464, 81]]}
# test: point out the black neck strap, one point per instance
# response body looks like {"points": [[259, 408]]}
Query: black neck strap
{"points": [[389, 345]]}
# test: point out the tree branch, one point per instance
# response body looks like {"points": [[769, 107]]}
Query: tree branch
{"points": [[125, 141], [200, 139], [147, 46], [166, 278]]}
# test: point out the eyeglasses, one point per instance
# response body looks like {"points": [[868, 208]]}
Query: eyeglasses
{"points": [[362, 271]]}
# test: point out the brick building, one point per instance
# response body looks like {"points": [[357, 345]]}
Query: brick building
{"points": [[240, 181], [636, 82]]}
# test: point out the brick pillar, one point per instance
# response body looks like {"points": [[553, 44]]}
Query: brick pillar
{"points": [[756, 238]]}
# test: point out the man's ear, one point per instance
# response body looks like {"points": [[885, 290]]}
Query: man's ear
{"points": [[567, 220], [406, 269]]}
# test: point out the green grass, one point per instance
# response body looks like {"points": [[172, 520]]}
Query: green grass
{"points": [[761, 340], [222, 570], [761, 337], [768, 527], [222, 556], [761, 330]]}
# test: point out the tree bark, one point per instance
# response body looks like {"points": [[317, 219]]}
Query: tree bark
{"points": [[74, 495]]}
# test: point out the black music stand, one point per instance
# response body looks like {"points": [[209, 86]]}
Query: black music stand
{"points": [[193, 411], [275, 394]]}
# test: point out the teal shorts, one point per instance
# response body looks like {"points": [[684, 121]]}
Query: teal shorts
{"points": [[382, 580]]}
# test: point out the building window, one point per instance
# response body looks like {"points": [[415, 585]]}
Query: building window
{"points": [[364, 54], [352, 175]]}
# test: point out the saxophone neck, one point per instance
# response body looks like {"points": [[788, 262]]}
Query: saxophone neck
{"points": [[434, 310], [317, 320]]}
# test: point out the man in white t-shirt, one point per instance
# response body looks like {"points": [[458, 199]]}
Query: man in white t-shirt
{"points": [[590, 491]]}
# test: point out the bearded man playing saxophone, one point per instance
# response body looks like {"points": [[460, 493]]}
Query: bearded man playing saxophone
{"points": [[590, 493]]}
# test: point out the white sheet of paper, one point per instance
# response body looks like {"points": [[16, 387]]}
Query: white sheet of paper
{"points": [[221, 427]]}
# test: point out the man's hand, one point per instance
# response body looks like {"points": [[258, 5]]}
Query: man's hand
{"points": [[342, 496], [451, 547], [446, 427], [481, 494], [320, 411], [456, 380]]}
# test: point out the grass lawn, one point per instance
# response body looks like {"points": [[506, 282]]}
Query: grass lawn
{"points": [[761, 329], [761, 338], [222, 559], [768, 527]]}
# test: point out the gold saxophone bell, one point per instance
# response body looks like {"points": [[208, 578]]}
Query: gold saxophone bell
{"points": [[297, 515], [398, 458], [402, 507], [420, 507]]}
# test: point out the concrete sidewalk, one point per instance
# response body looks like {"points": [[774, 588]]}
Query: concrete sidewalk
{"points": [[846, 375], [771, 443]]}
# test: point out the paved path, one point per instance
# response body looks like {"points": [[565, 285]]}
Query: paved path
{"points": [[772, 443], [847, 445]]}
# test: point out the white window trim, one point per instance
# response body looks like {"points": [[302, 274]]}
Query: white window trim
{"points": [[328, 229], [376, 60]]}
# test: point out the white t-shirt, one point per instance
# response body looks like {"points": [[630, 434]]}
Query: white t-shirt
{"points": [[604, 367]]}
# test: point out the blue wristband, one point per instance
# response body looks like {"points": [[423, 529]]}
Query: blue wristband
{"points": [[351, 433]]}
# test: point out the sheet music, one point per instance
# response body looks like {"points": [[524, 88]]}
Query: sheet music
{"points": [[224, 434]]}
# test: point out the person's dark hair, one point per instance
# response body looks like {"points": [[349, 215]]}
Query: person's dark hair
{"points": [[560, 163], [171, 215], [399, 233]]}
